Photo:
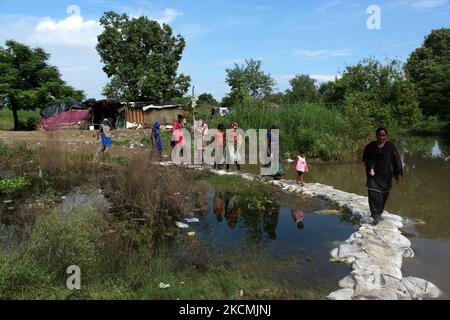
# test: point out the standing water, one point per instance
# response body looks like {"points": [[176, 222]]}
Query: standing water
{"points": [[275, 242], [422, 196]]}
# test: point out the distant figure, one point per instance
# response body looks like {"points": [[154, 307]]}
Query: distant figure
{"points": [[383, 163], [105, 133], [177, 138], [234, 142], [156, 140], [302, 167], [201, 131], [218, 144], [298, 216]]}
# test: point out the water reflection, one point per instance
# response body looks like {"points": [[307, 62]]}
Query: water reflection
{"points": [[270, 223], [234, 230]]}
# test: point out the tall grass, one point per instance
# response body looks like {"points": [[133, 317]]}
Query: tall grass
{"points": [[324, 132]]}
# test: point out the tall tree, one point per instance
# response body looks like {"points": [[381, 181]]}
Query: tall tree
{"points": [[304, 89], [141, 58], [28, 81], [251, 78], [429, 68], [208, 99], [381, 87]]}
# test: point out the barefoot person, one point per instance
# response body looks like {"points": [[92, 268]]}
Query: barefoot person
{"points": [[301, 166], [383, 163]]}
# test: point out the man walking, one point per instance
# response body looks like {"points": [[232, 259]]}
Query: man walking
{"points": [[383, 163]]}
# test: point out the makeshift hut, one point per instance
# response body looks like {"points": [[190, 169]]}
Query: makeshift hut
{"points": [[69, 112], [142, 113], [109, 109]]}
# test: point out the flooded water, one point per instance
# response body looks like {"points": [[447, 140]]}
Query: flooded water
{"points": [[423, 194], [271, 243]]}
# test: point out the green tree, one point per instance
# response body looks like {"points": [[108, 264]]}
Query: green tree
{"points": [[429, 68], [207, 99], [304, 89], [141, 58], [251, 78], [383, 86], [28, 81]]}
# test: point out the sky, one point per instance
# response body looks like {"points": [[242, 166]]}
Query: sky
{"points": [[290, 37]]}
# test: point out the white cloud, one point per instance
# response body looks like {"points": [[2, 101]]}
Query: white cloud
{"points": [[71, 31], [311, 54], [420, 4], [428, 4], [168, 15], [193, 30]]}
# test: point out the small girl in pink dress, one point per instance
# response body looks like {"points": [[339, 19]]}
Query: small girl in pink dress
{"points": [[301, 165]]}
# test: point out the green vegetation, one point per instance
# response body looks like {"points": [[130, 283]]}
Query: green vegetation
{"points": [[141, 58], [28, 81], [28, 119], [428, 68], [324, 132], [248, 83], [9, 186]]}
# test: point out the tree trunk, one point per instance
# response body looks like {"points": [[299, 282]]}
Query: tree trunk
{"points": [[16, 117]]}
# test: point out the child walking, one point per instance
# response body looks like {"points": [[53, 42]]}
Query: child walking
{"points": [[301, 165]]}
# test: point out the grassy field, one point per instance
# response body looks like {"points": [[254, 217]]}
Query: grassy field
{"points": [[7, 122]]}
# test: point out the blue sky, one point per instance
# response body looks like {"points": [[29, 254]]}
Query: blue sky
{"points": [[290, 36]]}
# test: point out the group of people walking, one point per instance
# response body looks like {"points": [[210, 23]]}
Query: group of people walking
{"points": [[381, 157]]}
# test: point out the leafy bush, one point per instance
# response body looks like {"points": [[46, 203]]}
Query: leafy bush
{"points": [[30, 124], [14, 185]]}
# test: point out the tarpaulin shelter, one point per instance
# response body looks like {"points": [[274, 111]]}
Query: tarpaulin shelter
{"points": [[69, 112]]}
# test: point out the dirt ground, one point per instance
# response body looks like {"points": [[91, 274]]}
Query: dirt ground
{"points": [[77, 138]]}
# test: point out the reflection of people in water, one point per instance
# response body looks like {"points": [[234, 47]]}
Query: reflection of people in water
{"points": [[270, 223], [202, 204], [218, 206], [298, 216], [233, 211]]}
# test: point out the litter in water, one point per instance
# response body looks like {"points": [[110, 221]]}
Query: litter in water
{"points": [[181, 225]]}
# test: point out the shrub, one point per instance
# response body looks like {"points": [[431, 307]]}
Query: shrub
{"points": [[59, 241], [10, 186]]}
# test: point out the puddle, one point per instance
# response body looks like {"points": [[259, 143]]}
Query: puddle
{"points": [[269, 242]]}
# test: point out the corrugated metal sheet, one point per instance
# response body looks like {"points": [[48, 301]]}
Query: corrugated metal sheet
{"points": [[135, 115]]}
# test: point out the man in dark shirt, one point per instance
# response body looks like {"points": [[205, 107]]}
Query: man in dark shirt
{"points": [[383, 163]]}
